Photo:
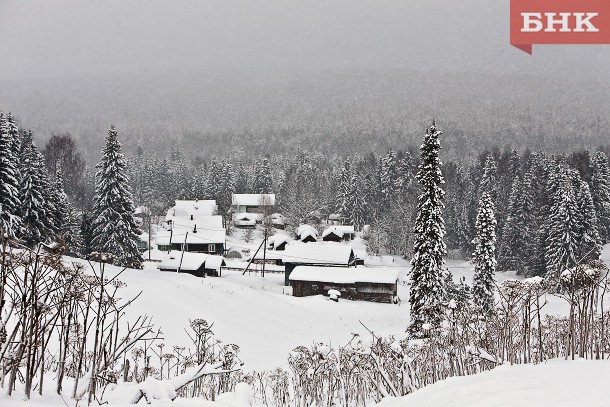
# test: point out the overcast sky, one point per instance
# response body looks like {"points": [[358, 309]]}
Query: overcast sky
{"points": [[40, 38]]}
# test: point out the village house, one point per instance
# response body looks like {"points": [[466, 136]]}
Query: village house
{"points": [[195, 208], [316, 254], [357, 283], [253, 203], [201, 234], [307, 233], [338, 233], [197, 264]]}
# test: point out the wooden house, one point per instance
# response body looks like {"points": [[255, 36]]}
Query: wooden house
{"points": [[316, 254], [201, 234], [307, 233], [338, 233], [253, 203], [357, 283], [197, 264]]}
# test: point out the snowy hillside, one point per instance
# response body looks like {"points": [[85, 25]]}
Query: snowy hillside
{"points": [[558, 383]]}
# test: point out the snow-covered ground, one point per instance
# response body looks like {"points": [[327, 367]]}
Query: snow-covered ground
{"points": [[259, 314], [557, 383]]}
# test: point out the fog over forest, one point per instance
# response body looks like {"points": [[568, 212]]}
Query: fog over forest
{"points": [[237, 77]]}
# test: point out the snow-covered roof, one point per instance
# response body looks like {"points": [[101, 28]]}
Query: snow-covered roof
{"points": [[334, 230], [306, 228], [278, 239], [253, 199], [199, 235], [248, 216], [318, 253], [214, 262], [196, 207], [202, 221], [345, 275], [190, 261], [347, 229]]}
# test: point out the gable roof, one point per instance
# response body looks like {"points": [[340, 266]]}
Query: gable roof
{"points": [[338, 230], [345, 275], [195, 207], [191, 261], [200, 236], [318, 253], [253, 199], [306, 228]]}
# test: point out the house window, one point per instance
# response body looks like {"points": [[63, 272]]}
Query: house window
{"points": [[212, 248]]}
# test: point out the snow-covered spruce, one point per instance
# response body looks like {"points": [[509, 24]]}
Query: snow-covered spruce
{"points": [[427, 291], [484, 257], [114, 228], [9, 178]]}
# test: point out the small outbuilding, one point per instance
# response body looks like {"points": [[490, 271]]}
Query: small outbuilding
{"points": [[356, 283], [197, 264], [245, 220]]}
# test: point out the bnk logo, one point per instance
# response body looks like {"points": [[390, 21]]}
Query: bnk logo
{"points": [[559, 22]]}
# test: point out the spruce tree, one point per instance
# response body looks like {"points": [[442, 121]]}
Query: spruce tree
{"points": [[600, 192], [114, 228], [427, 291], [214, 180], [35, 208], [562, 246], [9, 182], [358, 201], [484, 257], [344, 204], [515, 233], [489, 179]]}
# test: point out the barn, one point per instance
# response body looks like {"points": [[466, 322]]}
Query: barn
{"points": [[326, 254], [197, 264], [355, 283]]}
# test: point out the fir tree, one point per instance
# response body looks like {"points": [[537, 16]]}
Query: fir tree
{"points": [[515, 233], [357, 199], [214, 180], [32, 193], [344, 205], [600, 192], [429, 249], [488, 181], [9, 182], [263, 183], [114, 228], [562, 249], [484, 257], [242, 181]]}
